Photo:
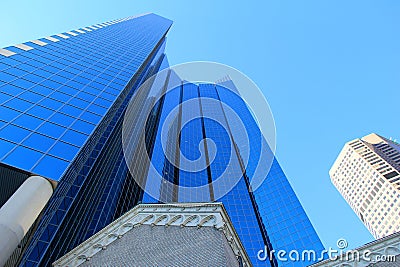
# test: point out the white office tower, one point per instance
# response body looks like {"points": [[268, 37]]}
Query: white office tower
{"points": [[366, 173]]}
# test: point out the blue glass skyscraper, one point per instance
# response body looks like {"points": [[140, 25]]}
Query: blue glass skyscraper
{"points": [[62, 100], [271, 217], [62, 104]]}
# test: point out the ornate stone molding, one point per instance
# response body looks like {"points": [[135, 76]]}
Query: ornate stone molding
{"points": [[387, 246], [178, 214]]}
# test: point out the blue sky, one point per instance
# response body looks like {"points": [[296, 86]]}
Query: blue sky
{"points": [[329, 70]]}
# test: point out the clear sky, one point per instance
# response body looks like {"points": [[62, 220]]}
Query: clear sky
{"points": [[329, 70]]}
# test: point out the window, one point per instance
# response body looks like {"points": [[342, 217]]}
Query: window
{"points": [[5, 77], [83, 127], [31, 97], [40, 112], [97, 109], [86, 96], [28, 122], [74, 138], [58, 166], [68, 90], [23, 83], [13, 133], [50, 103], [91, 117], [390, 175], [11, 90], [63, 150], [8, 114], [102, 102], [4, 97], [15, 72], [18, 104], [51, 130], [70, 110], [23, 157], [60, 96], [62, 119], [33, 78], [78, 103], [51, 84], [41, 90], [39, 142], [5, 147]]}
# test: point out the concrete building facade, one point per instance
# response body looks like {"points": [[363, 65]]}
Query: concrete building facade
{"points": [[367, 174]]}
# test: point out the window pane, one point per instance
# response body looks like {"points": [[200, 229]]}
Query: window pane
{"points": [[62, 119], [26, 67], [5, 147], [11, 89], [33, 78], [71, 111], [28, 122], [7, 114], [83, 127], [51, 130], [51, 84], [90, 117], [59, 79], [58, 166], [40, 112], [42, 73], [9, 61], [4, 97], [39, 142], [5, 77], [18, 104], [13, 133], [15, 72], [86, 96], [41, 90], [3, 66], [60, 96], [78, 103], [102, 102], [68, 90], [74, 138], [24, 84], [96, 109], [32, 97], [108, 96], [50, 103], [63, 150], [23, 158]]}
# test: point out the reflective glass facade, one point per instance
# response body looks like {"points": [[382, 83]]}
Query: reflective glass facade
{"points": [[61, 110], [62, 106], [52, 97], [270, 216]]}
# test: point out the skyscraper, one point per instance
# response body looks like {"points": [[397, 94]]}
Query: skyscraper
{"points": [[64, 101], [367, 174], [199, 150]]}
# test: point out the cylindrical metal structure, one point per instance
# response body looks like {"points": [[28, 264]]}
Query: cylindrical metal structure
{"points": [[19, 213]]}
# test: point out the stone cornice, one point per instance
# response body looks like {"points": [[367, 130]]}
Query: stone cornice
{"points": [[389, 245], [178, 214]]}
